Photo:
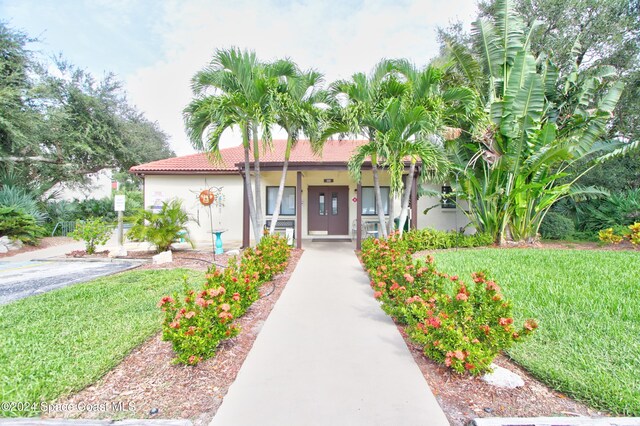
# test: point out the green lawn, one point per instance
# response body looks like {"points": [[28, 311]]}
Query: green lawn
{"points": [[588, 307], [62, 341]]}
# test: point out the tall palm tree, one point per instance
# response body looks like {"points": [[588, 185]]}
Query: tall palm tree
{"points": [[297, 112], [363, 98], [236, 90]]}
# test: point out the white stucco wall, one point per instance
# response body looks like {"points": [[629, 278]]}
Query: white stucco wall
{"points": [[437, 217], [187, 188], [230, 217]]}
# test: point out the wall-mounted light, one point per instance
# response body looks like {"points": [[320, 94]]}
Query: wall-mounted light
{"points": [[328, 181]]}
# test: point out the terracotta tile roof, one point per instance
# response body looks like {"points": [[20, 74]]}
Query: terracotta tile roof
{"points": [[334, 152]]}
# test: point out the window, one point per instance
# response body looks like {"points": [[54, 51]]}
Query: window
{"points": [[288, 206], [448, 200], [369, 200]]}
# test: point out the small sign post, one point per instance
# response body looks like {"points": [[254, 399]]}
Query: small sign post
{"points": [[119, 206]]}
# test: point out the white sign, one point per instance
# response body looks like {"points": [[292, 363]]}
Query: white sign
{"points": [[118, 203]]}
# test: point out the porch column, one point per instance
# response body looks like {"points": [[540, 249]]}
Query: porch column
{"points": [[246, 239], [359, 217], [299, 210], [414, 202]]}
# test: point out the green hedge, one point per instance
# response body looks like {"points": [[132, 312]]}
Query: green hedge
{"points": [[431, 239]]}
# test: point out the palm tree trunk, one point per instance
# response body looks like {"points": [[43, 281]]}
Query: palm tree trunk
{"points": [[404, 210], [379, 207], [391, 225], [285, 165], [257, 181], [247, 182]]}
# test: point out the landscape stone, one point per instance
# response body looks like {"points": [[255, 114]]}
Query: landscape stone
{"points": [[3, 249], [233, 252], [4, 240], [503, 378], [164, 257]]}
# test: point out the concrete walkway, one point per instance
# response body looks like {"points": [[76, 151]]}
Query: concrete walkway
{"points": [[45, 253], [328, 355]]}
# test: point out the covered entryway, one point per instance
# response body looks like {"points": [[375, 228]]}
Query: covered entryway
{"points": [[328, 210]]}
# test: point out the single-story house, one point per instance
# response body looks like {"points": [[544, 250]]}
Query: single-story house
{"points": [[321, 200]]}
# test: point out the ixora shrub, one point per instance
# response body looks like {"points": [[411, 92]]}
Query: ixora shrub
{"points": [[18, 225], [196, 321], [463, 326], [431, 239], [93, 231], [163, 228]]}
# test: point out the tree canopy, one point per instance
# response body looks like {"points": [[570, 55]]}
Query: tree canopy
{"points": [[60, 126]]}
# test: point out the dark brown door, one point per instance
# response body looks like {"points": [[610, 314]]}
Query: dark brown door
{"points": [[329, 209]]}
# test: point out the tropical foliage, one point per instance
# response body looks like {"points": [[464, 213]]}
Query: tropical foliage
{"points": [[400, 109], [162, 228], [237, 90], [537, 124]]}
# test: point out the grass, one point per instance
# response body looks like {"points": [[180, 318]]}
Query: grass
{"points": [[60, 342], [588, 306]]}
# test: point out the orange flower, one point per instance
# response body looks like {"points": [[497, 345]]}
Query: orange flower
{"points": [[530, 324], [462, 297], [236, 296], [190, 314], [377, 294], [409, 278]]}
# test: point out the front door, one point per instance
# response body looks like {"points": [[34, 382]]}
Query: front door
{"points": [[328, 210]]}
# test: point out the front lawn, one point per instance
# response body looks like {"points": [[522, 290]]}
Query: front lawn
{"points": [[62, 341], [588, 305]]}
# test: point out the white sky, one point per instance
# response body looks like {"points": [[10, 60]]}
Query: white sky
{"points": [[156, 46]]}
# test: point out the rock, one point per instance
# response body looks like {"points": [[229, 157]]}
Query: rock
{"points": [[3, 249], [15, 245], [233, 252], [4, 240], [503, 378], [164, 257]]}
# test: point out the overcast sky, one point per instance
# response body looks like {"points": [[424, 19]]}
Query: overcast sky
{"points": [[156, 46]]}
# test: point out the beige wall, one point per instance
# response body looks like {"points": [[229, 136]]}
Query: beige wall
{"points": [[187, 188]]}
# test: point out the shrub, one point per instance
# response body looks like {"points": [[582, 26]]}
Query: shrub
{"points": [[431, 239], [618, 233], [198, 320], [20, 199], [556, 227], [92, 231], [16, 224], [463, 326], [163, 228]]}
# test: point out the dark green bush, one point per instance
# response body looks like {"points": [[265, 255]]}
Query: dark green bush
{"points": [[556, 227], [16, 224]]}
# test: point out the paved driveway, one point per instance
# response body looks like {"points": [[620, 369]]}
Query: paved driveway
{"points": [[22, 279]]}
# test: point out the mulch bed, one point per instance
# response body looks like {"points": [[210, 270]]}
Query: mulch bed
{"points": [[149, 386], [464, 397]]}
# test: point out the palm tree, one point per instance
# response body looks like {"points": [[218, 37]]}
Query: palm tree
{"points": [[364, 97], [296, 104], [536, 124], [235, 90]]}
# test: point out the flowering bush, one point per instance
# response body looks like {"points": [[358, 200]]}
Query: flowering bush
{"points": [[463, 326], [197, 320]]}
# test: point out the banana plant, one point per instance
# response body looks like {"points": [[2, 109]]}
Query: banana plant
{"points": [[536, 124]]}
